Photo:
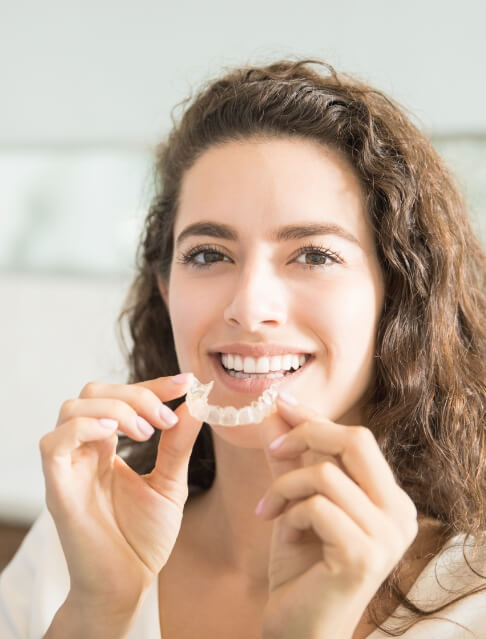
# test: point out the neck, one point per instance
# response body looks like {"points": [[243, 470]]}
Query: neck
{"points": [[229, 533], [223, 528]]}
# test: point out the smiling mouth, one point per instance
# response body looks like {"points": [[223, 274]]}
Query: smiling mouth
{"points": [[270, 375]]}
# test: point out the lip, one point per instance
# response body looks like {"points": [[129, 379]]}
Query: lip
{"points": [[259, 350], [254, 385]]}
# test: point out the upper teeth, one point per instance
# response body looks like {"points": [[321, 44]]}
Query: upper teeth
{"points": [[263, 364]]}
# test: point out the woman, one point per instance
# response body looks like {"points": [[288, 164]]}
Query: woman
{"points": [[298, 213]]}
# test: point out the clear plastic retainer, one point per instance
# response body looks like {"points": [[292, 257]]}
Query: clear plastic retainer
{"points": [[197, 403]]}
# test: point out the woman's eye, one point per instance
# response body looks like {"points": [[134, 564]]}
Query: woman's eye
{"points": [[318, 258], [192, 257], [213, 257], [315, 258]]}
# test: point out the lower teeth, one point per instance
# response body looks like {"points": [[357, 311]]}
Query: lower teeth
{"points": [[254, 375]]}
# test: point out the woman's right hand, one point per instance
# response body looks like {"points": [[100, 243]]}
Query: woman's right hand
{"points": [[117, 528]]}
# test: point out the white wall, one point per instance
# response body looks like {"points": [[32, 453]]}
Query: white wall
{"points": [[57, 333], [106, 71]]}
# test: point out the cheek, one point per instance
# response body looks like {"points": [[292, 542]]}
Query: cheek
{"points": [[186, 304], [193, 316], [347, 314]]}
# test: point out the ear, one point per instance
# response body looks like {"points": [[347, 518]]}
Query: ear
{"points": [[163, 290]]}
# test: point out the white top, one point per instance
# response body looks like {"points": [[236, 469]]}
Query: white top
{"points": [[36, 582]]}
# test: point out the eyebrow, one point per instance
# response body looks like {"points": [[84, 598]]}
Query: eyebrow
{"points": [[284, 233]]}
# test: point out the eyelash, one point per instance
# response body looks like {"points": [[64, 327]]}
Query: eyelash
{"points": [[188, 257]]}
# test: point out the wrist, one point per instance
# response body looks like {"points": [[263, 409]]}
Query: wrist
{"points": [[78, 618], [305, 630]]}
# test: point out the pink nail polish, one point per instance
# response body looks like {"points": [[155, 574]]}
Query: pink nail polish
{"points": [[144, 427], [168, 416], [287, 398], [259, 508], [278, 442], [182, 378], [110, 424]]}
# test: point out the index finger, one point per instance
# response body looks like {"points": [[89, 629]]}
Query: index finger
{"points": [[166, 388], [146, 398], [355, 447]]}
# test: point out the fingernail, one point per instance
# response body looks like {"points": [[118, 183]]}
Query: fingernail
{"points": [[168, 416], [111, 424], [278, 442], [144, 427], [259, 508], [182, 378], [287, 398]]}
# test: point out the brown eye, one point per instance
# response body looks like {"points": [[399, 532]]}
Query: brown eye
{"points": [[319, 257], [316, 257], [190, 256], [212, 254]]}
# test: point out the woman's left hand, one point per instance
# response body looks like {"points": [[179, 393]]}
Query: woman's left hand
{"points": [[342, 524]]}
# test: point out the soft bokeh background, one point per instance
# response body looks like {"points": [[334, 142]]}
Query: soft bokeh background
{"points": [[87, 90]]}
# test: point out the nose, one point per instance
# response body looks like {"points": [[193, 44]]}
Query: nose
{"points": [[258, 299]]}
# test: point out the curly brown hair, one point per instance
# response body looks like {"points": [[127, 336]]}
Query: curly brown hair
{"points": [[426, 406]]}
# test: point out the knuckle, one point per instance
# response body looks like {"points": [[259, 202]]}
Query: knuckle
{"points": [[90, 389], [145, 395], [278, 485], [118, 409], [371, 560], [363, 434], [58, 499], [44, 445], [47, 447], [361, 437], [396, 554], [317, 504], [325, 472], [76, 423], [413, 528], [309, 429], [68, 407], [354, 558], [411, 507], [394, 542]]}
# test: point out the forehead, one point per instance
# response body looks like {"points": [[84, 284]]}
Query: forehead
{"points": [[258, 185]]}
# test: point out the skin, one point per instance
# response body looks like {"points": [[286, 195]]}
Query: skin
{"points": [[259, 290], [107, 516], [334, 522], [331, 310], [266, 293]]}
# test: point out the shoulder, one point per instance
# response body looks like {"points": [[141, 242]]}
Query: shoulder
{"points": [[457, 572], [458, 568], [35, 582]]}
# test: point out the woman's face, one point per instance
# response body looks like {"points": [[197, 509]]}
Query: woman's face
{"points": [[258, 289]]}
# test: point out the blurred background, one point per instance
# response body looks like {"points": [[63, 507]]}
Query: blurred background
{"points": [[87, 90]]}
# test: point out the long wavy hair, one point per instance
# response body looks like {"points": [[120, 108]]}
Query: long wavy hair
{"points": [[427, 403]]}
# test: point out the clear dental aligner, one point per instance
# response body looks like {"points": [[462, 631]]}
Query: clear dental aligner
{"points": [[197, 403]]}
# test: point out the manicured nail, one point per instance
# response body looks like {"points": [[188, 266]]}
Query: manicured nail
{"points": [[182, 378], [287, 398], [168, 416], [259, 508], [144, 427], [278, 442], [111, 424]]}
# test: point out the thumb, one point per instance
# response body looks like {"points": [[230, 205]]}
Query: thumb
{"points": [[169, 476]]}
